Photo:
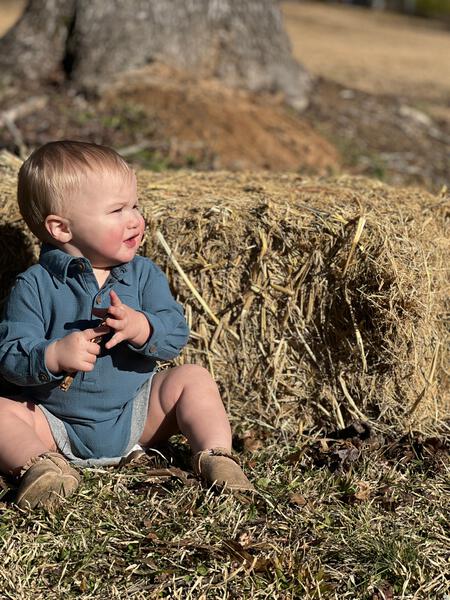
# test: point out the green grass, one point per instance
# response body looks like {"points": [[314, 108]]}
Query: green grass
{"points": [[377, 527]]}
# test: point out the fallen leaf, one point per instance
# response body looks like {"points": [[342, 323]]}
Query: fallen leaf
{"points": [[383, 592], [363, 492], [244, 557], [245, 539], [237, 551], [250, 441], [298, 499]]}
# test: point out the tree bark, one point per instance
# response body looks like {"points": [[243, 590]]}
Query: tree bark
{"points": [[35, 47], [243, 42]]}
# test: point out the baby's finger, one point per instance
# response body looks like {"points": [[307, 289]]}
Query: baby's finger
{"points": [[90, 358], [116, 324], [116, 339], [116, 311], [115, 300], [93, 332], [86, 366], [93, 348]]}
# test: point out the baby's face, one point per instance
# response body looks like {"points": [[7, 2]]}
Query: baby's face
{"points": [[104, 219]]}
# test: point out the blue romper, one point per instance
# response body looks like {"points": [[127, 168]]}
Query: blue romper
{"points": [[56, 297]]}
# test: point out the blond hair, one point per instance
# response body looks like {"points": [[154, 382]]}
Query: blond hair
{"points": [[54, 171]]}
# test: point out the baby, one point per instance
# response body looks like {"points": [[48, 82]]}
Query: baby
{"points": [[94, 309]]}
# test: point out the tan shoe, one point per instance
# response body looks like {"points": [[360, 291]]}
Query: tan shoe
{"points": [[219, 467], [45, 480]]}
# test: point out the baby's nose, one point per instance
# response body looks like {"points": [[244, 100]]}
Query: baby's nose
{"points": [[134, 219]]}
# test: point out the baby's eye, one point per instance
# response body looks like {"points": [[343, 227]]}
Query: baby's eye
{"points": [[117, 210]]}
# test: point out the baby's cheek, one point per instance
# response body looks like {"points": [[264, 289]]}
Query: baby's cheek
{"points": [[114, 238]]}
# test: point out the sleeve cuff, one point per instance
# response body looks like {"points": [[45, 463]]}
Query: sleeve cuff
{"points": [[38, 368], [153, 345]]}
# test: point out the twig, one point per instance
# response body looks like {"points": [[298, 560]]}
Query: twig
{"points": [[429, 381], [350, 400], [358, 335], [22, 110], [8, 118], [337, 408]]}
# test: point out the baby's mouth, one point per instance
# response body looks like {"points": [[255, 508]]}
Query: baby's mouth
{"points": [[132, 241]]}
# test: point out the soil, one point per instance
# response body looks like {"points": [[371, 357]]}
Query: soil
{"points": [[221, 128], [369, 114]]}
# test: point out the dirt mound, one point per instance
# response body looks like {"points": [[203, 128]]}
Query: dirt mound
{"points": [[236, 129], [313, 302], [161, 118]]}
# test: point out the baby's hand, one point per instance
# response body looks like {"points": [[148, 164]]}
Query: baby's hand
{"points": [[128, 324], [74, 352]]}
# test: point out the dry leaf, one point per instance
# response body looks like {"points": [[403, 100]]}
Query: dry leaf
{"points": [[250, 441], [298, 499], [363, 492]]}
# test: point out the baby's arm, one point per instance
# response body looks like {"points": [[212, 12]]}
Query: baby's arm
{"points": [[26, 356], [22, 338]]}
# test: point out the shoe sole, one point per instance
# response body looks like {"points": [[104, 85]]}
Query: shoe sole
{"points": [[52, 491]]}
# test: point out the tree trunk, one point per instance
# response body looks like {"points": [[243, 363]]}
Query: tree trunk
{"points": [[243, 42], [34, 48]]}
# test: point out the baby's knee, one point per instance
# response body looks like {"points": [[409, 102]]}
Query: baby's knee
{"points": [[7, 405], [15, 408], [194, 373]]}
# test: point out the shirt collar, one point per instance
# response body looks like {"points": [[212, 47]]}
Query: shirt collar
{"points": [[122, 273], [60, 264]]}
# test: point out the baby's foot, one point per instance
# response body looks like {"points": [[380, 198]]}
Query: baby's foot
{"points": [[219, 467], [45, 480]]}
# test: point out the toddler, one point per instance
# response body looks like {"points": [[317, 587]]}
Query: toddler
{"points": [[95, 311]]}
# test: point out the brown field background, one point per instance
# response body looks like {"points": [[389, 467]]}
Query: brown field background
{"points": [[379, 53]]}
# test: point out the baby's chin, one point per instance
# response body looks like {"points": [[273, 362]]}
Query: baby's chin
{"points": [[126, 255], [107, 266]]}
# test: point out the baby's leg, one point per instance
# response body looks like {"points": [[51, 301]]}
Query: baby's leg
{"points": [[24, 433], [186, 399]]}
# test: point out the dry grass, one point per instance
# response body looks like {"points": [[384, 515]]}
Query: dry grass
{"points": [[375, 529], [321, 302]]}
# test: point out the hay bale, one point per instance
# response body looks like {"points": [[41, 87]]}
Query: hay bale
{"points": [[18, 248], [321, 300]]}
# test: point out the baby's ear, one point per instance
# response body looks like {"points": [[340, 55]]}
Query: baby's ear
{"points": [[58, 228]]}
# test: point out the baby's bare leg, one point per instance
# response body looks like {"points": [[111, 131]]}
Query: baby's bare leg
{"points": [[24, 433], [186, 399]]}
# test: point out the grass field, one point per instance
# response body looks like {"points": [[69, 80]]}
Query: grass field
{"points": [[369, 524], [373, 51]]}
